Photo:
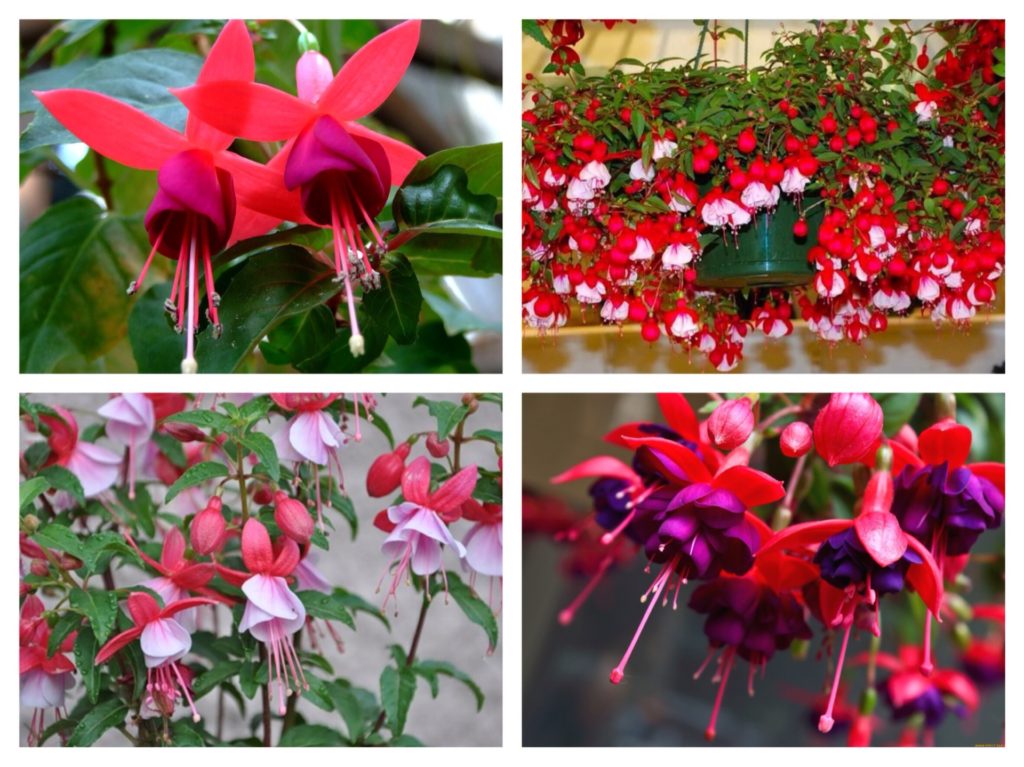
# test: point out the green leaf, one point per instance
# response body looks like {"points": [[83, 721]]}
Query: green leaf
{"points": [[195, 475], [48, 79], [61, 35], [99, 548], [317, 693], [532, 29], [336, 357], [76, 261], [488, 435], [396, 304], [138, 78], [474, 607], [447, 414], [397, 687], [269, 288], [300, 338], [347, 704], [897, 410], [357, 604], [86, 648], [109, 713], [344, 506], [204, 419], [155, 345], [430, 669], [62, 629], [311, 735], [62, 479], [406, 741], [59, 537], [326, 606], [208, 680], [482, 164], [433, 352], [99, 607], [30, 490], [263, 447]]}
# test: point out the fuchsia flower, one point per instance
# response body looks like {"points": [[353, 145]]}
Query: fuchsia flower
{"points": [[309, 578], [130, 421], [848, 428], [342, 170], [272, 612], [44, 678], [164, 642], [731, 423], [483, 542], [206, 195], [96, 467], [418, 527]]}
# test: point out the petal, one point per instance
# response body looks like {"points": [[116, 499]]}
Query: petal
{"points": [[173, 553], [305, 438], [925, 577], [371, 74], [797, 537], [455, 491], [96, 467], [426, 555], [271, 595], [484, 549], [416, 482], [164, 640], [682, 456], [881, 535], [116, 643], [402, 512], [114, 129], [617, 435], [785, 573], [401, 157], [752, 487], [959, 686], [945, 442], [599, 466], [261, 188], [257, 553], [993, 472], [249, 223], [679, 415], [903, 456], [247, 110], [230, 58]]}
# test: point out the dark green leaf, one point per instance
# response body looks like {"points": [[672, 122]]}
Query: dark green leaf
{"points": [[397, 687], [406, 741], [66, 623], [430, 669], [337, 357], [300, 338], [396, 304], [306, 735], [208, 680], [482, 164], [109, 713], [897, 410], [317, 693], [99, 548], [57, 536], [474, 607], [434, 352], [48, 79], [62, 479], [204, 419], [447, 414], [195, 475], [326, 606], [186, 733], [99, 607], [86, 648], [76, 262], [344, 506], [347, 704], [30, 490], [263, 447], [532, 28], [488, 435], [155, 345]]}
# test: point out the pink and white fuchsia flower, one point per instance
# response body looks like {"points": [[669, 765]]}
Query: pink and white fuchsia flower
{"points": [[44, 678], [418, 527], [130, 421], [311, 433], [164, 642], [96, 467], [483, 542]]}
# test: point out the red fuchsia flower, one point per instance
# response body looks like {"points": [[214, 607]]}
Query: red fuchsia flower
{"points": [[860, 559], [206, 195], [164, 642], [751, 616], [848, 428], [43, 678], [178, 577], [96, 467], [418, 528], [796, 440], [342, 170], [130, 421], [731, 423], [272, 612]]}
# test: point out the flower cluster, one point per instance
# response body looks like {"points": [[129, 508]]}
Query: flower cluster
{"points": [[706, 204], [222, 503], [690, 510]]}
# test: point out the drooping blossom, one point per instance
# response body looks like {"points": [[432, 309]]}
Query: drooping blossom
{"points": [[483, 542], [95, 466], [309, 578], [130, 421], [44, 679], [342, 170], [164, 642]]}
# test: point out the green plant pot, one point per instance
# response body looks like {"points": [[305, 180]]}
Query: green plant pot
{"points": [[763, 254]]}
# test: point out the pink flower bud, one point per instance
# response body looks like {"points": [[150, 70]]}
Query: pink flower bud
{"points": [[293, 518], [848, 428], [731, 423], [207, 531], [795, 439], [437, 448], [385, 474], [312, 75], [183, 432]]}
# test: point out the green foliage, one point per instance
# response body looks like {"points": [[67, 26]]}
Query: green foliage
{"points": [[474, 608], [397, 687], [448, 414], [196, 475]]}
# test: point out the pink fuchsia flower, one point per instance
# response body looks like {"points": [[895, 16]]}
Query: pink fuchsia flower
{"points": [[44, 679], [342, 170], [206, 196], [272, 612], [848, 428], [483, 542], [796, 439], [96, 467], [164, 642], [417, 528], [130, 421], [208, 530]]}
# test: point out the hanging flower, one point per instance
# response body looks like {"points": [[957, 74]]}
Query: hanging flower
{"points": [[130, 421], [95, 466], [44, 678]]}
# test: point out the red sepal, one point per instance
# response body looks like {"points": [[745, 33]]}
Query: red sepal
{"points": [[247, 110], [945, 442], [687, 460], [383, 522], [881, 536], [926, 578], [455, 491], [230, 58], [797, 537], [599, 466], [752, 487], [680, 416]]}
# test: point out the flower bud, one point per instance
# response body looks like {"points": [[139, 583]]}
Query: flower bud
{"points": [[293, 518], [207, 531], [437, 447], [312, 75], [796, 439], [848, 428], [385, 474], [860, 731], [183, 432], [731, 423]]}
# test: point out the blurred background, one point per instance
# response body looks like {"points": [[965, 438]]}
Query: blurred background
{"points": [[450, 96], [567, 699], [451, 719]]}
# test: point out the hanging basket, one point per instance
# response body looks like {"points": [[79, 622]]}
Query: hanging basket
{"points": [[763, 254]]}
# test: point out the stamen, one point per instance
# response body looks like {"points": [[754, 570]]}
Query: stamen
{"points": [[826, 721], [189, 365], [565, 616], [611, 536], [659, 584], [728, 657], [137, 283], [355, 343]]}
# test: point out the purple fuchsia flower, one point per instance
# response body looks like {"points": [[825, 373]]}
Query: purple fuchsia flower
{"points": [[44, 678], [96, 467], [418, 528], [130, 421], [164, 642], [272, 612]]}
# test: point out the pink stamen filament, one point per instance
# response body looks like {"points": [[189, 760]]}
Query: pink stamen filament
{"points": [[184, 691], [611, 536], [131, 470], [319, 505], [341, 264], [826, 721], [211, 294], [565, 616], [726, 664], [193, 306], [654, 590], [149, 260], [286, 668]]}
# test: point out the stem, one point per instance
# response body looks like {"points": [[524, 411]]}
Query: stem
{"points": [[794, 480], [700, 44], [103, 181], [240, 465], [266, 700], [746, 43], [777, 416]]}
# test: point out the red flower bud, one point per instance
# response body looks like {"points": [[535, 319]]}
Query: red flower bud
{"points": [[385, 474], [848, 428], [795, 439], [293, 518], [731, 423], [183, 432], [383, 522], [436, 447], [207, 531], [860, 731]]}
